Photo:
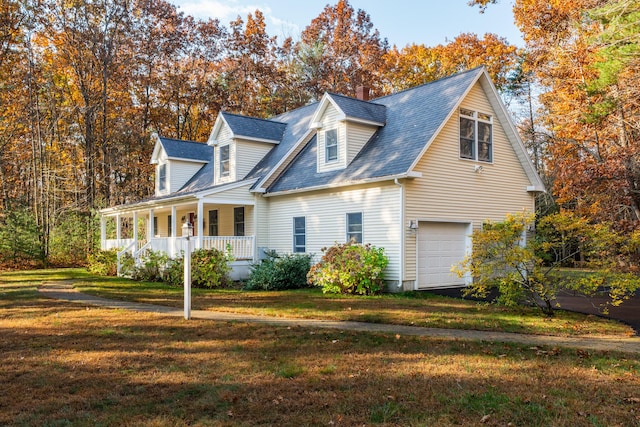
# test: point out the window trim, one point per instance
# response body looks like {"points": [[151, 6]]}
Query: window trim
{"points": [[236, 224], [213, 223], [224, 160], [478, 120], [162, 177], [327, 147], [299, 249], [349, 234]]}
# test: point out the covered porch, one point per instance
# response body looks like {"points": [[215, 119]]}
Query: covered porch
{"points": [[225, 225]]}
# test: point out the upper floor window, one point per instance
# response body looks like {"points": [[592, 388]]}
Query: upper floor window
{"points": [[238, 221], [162, 177], [354, 227], [331, 145], [476, 140], [299, 234], [224, 160]]}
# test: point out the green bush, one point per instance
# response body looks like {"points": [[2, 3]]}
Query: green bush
{"points": [[278, 272], [151, 268], [103, 263], [350, 268], [209, 269]]}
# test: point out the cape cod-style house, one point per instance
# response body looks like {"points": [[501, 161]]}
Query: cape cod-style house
{"points": [[414, 172]]}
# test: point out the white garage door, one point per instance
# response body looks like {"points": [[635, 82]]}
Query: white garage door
{"points": [[440, 246]]}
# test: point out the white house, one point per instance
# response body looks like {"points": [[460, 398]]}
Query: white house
{"points": [[414, 172]]}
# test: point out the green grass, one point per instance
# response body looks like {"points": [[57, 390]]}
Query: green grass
{"points": [[409, 308], [67, 364]]}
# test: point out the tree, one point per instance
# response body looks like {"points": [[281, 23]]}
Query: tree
{"points": [[340, 50], [418, 64], [526, 271]]}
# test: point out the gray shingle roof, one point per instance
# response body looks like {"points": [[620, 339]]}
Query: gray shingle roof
{"points": [[359, 109], [254, 128], [413, 118], [181, 149]]}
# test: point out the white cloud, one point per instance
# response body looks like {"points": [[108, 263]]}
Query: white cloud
{"points": [[224, 11]]}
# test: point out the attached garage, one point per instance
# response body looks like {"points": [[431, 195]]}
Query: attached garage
{"points": [[440, 246]]}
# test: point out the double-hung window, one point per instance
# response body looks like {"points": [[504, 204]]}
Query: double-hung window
{"points": [[476, 139], [299, 235], [213, 222], [155, 226], [162, 177], [354, 227], [169, 228], [224, 160], [331, 145], [238, 221]]}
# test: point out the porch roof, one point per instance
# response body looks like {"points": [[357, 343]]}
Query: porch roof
{"points": [[183, 197]]}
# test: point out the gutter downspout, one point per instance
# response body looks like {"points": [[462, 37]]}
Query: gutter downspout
{"points": [[401, 207]]}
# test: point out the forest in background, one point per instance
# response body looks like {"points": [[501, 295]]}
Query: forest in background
{"points": [[83, 84]]}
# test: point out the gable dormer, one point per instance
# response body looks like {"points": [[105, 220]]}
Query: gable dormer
{"points": [[177, 161], [239, 143], [344, 125]]}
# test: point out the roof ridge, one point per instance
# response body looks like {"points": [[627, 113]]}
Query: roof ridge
{"points": [[253, 118], [181, 140], [433, 81]]}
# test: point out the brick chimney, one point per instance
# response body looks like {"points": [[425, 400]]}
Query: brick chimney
{"points": [[362, 92]]}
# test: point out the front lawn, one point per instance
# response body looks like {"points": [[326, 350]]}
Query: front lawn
{"points": [[65, 364], [412, 308]]}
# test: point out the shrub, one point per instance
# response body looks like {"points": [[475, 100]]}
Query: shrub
{"points": [[103, 263], [209, 269], [151, 268], [278, 272], [350, 268]]}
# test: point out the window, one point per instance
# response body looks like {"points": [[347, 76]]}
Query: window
{"points": [[299, 235], [331, 145], [169, 227], [162, 177], [213, 223], [354, 227], [155, 226], [476, 142], [224, 161], [238, 221]]}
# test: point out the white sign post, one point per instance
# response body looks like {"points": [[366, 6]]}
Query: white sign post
{"points": [[187, 232]]}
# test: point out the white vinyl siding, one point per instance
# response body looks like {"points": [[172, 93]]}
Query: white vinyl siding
{"points": [[180, 172], [357, 136], [450, 189], [326, 213], [330, 120], [248, 154]]}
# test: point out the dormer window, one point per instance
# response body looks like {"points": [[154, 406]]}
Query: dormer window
{"points": [[476, 141], [224, 160], [162, 177], [331, 145]]}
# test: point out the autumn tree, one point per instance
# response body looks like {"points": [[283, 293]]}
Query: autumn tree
{"points": [[418, 64], [340, 50]]}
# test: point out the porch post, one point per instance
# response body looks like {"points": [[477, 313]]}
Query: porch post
{"points": [[151, 225], [199, 221], [135, 230], [118, 230], [103, 232], [174, 212]]}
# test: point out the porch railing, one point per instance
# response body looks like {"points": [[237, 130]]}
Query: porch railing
{"points": [[240, 246]]}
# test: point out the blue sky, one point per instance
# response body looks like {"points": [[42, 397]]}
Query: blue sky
{"points": [[402, 22]]}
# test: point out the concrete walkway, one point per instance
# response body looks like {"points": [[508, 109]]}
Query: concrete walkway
{"points": [[65, 291]]}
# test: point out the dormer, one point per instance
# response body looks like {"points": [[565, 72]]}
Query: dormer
{"points": [[344, 125], [177, 161], [240, 142]]}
